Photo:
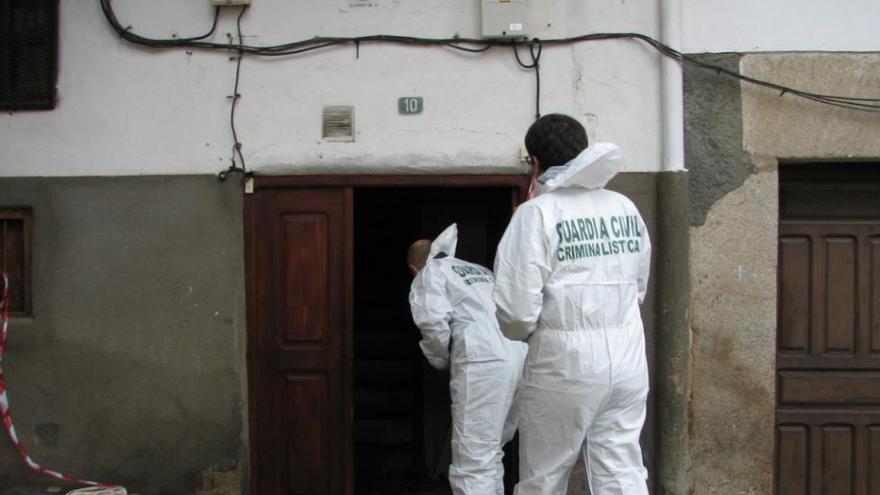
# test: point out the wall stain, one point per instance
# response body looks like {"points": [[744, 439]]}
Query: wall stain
{"points": [[47, 434], [714, 156]]}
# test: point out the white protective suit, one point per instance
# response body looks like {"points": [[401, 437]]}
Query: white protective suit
{"points": [[571, 271], [452, 299]]}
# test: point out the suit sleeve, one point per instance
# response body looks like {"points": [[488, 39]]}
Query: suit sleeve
{"points": [[432, 313], [522, 266], [644, 261]]}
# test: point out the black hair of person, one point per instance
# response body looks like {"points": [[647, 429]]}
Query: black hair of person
{"points": [[555, 139]]}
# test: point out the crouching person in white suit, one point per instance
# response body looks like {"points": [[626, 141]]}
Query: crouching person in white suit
{"points": [[571, 271], [451, 303]]}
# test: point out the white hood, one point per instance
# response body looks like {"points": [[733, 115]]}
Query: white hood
{"points": [[591, 169], [445, 242]]}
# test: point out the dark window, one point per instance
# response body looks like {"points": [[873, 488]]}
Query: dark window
{"points": [[28, 54], [15, 257]]}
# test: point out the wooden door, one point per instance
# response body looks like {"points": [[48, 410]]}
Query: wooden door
{"points": [[299, 308], [828, 342]]}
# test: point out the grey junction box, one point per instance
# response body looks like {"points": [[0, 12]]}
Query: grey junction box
{"points": [[504, 19]]}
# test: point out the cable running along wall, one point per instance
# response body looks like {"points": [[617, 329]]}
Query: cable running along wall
{"points": [[533, 47]]}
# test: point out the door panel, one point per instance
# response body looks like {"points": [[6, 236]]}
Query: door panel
{"points": [[837, 461], [873, 464], [309, 460], [792, 443], [829, 388], [304, 250], [828, 378], [828, 451], [794, 267], [873, 320], [828, 284], [840, 301], [300, 310]]}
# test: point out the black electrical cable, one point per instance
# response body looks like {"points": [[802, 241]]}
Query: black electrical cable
{"points": [[457, 46], [473, 45], [155, 43], [236, 146], [469, 45], [854, 103], [536, 57]]}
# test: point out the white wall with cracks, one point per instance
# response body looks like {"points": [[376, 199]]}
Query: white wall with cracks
{"points": [[127, 110]]}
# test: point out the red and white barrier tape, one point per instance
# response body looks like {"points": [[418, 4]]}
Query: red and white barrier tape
{"points": [[7, 414]]}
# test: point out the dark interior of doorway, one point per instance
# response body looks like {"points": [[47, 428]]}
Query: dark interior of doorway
{"points": [[401, 405]]}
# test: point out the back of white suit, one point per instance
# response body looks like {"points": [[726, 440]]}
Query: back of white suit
{"points": [[457, 294], [451, 303], [571, 271]]}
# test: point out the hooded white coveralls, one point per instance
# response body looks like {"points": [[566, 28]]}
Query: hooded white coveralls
{"points": [[451, 298], [571, 271]]}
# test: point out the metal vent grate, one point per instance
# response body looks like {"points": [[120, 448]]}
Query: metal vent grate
{"points": [[338, 123]]}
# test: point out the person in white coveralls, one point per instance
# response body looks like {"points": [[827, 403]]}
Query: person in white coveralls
{"points": [[451, 303], [571, 271]]}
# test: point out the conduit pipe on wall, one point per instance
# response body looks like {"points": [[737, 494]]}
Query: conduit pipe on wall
{"points": [[671, 88], [672, 381]]}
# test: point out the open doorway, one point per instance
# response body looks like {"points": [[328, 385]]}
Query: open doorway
{"points": [[400, 404], [340, 398]]}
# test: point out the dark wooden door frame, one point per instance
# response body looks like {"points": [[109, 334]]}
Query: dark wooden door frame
{"points": [[520, 182], [517, 183]]}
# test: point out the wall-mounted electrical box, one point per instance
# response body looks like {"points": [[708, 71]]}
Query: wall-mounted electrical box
{"points": [[221, 3], [504, 19]]}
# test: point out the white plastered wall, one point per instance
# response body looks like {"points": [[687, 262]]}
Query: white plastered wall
{"points": [[715, 26], [126, 110]]}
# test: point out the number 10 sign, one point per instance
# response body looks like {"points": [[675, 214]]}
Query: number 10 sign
{"points": [[409, 105]]}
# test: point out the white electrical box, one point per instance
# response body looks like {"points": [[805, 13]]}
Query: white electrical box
{"points": [[504, 19], [221, 3]]}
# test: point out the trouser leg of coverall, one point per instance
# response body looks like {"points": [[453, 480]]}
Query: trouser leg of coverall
{"points": [[510, 425], [612, 453], [565, 382], [550, 440], [482, 394]]}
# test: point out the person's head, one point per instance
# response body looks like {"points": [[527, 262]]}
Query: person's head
{"points": [[554, 140], [417, 255]]}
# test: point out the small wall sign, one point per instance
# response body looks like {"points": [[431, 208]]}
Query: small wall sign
{"points": [[407, 105]]}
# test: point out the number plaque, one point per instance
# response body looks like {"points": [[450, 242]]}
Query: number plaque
{"points": [[409, 105]]}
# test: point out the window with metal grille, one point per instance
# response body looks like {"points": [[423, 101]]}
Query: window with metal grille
{"points": [[28, 54], [15, 256]]}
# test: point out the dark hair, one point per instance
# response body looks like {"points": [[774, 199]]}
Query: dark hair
{"points": [[554, 139]]}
